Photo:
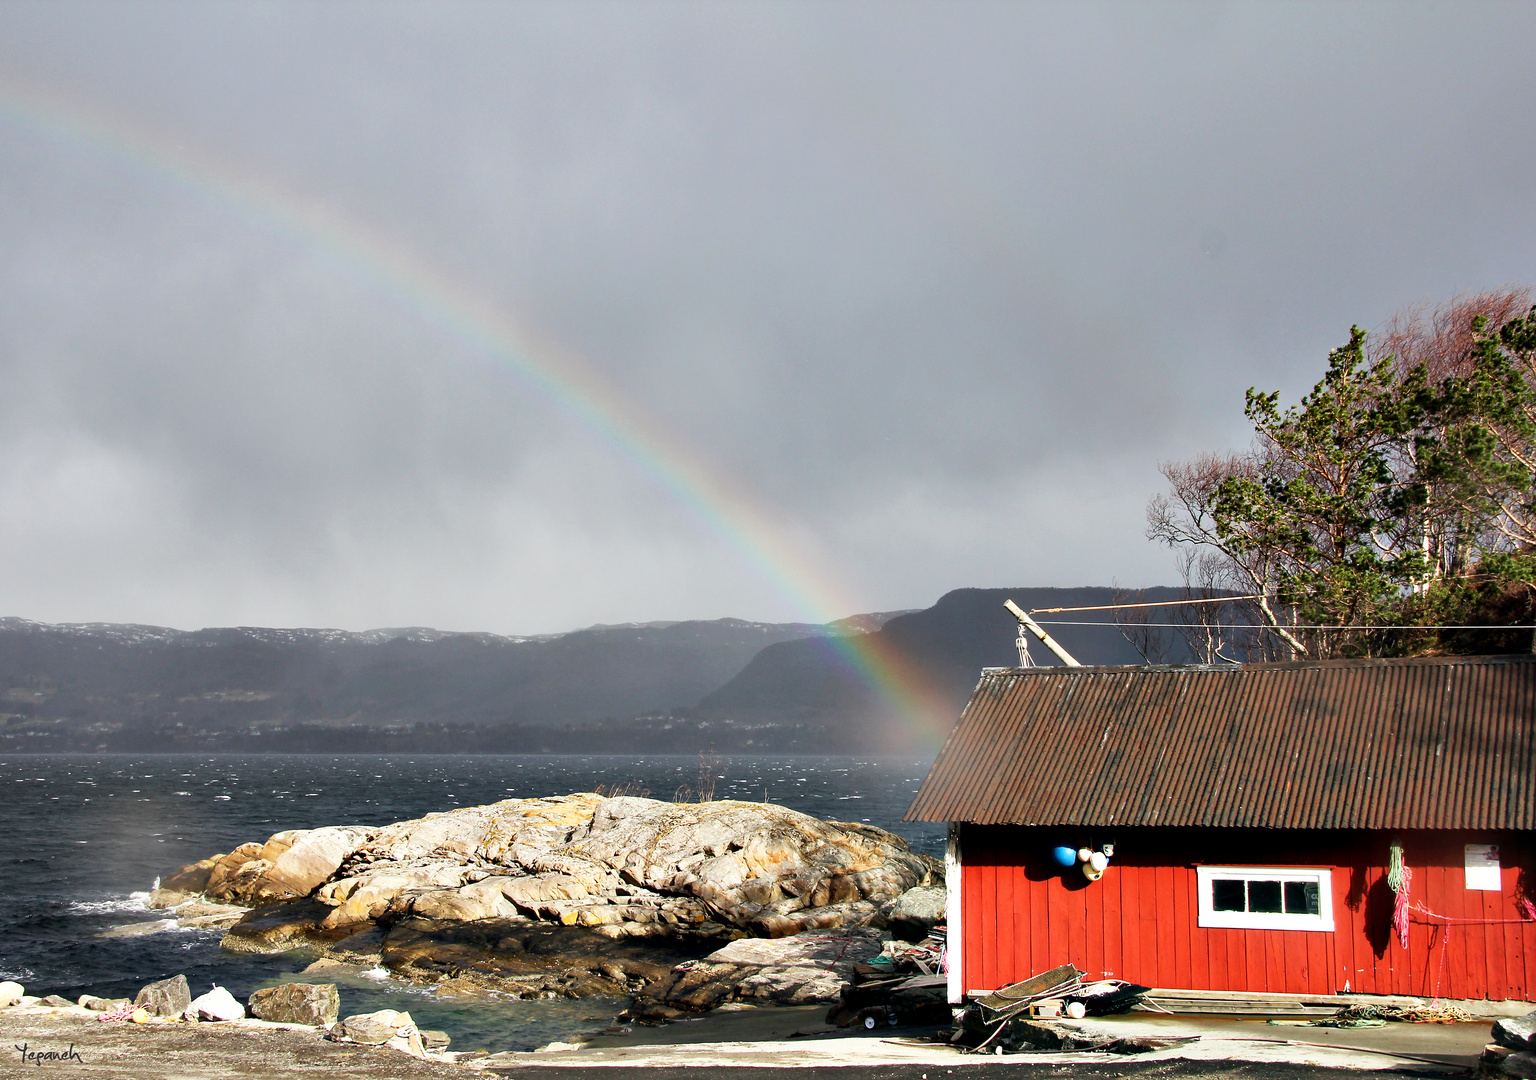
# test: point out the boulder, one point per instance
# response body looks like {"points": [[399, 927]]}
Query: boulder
{"points": [[377, 1028], [804, 970], [54, 1001], [217, 1004], [99, 1004], [11, 993], [1517, 1032], [316, 1004], [917, 911], [168, 997]]}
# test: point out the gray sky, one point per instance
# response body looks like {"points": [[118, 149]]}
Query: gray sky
{"points": [[929, 288]]}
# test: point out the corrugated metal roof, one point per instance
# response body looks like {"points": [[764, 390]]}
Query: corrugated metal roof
{"points": [[1434, 743]]}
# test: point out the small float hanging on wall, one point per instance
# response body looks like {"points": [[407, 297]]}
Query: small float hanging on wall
{"points": [[1092, 862]]}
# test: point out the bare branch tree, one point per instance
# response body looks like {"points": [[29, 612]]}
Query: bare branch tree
{"points": [[1136, 625]]}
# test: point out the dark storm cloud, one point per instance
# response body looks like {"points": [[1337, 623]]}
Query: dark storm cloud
{"points": [[935, 285]]}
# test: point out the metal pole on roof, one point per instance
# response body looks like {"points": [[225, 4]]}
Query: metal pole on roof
{"points": [[1039, 632]]}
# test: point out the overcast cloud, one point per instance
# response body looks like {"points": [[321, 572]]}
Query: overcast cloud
{"points": [[933, 286]]}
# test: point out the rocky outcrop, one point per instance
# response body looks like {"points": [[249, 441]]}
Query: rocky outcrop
{"points": [[457, 894]]}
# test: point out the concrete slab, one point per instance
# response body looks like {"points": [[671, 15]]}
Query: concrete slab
{"points": [[1396, 1047]]}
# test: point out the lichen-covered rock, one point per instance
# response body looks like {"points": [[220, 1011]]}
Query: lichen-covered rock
{"points": [[468, 903], [306, 860], [749, 860], [232, 873], [167, 997], [622, 868], [316, 1004]]}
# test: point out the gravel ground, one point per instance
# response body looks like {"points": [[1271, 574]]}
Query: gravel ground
{"points": [[172, 1051], [74, 1043]]}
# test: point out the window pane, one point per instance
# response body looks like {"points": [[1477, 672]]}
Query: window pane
{"points": [[1227, 895], [1264, 896], [1301, 898]]}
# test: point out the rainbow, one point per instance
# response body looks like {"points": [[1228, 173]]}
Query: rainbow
{"points": [[543, 366]]}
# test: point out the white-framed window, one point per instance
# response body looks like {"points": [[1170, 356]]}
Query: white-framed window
{"points": [[1265, 897]]}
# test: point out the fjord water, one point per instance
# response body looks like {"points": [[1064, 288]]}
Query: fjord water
{"points": [[84, 837]]}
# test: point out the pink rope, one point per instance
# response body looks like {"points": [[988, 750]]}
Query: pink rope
{"points": [[122, 1012], [1400, 909]]}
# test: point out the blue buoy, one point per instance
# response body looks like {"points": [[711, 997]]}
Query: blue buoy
{"points": [[1065, 856]]}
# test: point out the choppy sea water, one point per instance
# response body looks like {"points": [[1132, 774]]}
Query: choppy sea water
{"points": [[83, 837]]}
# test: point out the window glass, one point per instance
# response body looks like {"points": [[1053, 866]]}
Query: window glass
{"points": [[1301, 898], [1227, 895], [1264, 896]]}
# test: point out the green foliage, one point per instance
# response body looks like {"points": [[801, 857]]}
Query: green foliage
{"points": [[1380, 501]]}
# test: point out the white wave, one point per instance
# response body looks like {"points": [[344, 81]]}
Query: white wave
{"points": [[375, 973], [138, 901], [21, 975]]}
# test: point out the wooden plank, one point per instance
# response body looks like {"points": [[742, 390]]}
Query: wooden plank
{"points": [[1114, 916], [1237, 958], [1007, 959], [1183, 925], [1275, 980], [1092, 949], [1060, 951], [1293, 962], [1495, 936], [1146, 923], [1167, 971], [979, 940], [1465, 972], [1320, 966], [1039, 925], [1023, 891]]}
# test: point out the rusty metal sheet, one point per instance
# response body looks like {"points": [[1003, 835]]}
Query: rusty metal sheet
{"points": [[1425, 743]]}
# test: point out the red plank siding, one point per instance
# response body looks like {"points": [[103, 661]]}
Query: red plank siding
{"points": [[1023, 914]]}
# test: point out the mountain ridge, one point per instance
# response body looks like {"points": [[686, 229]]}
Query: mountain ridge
{"points": [[662, 686]]}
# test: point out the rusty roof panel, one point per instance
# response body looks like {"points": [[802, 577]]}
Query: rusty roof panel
{"points": [[1438, 743]]}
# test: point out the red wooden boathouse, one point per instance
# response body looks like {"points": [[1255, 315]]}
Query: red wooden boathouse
{"points": [[1251, 818]]}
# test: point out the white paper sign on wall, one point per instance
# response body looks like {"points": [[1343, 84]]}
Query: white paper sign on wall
{"points": [[1483, 867]]}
